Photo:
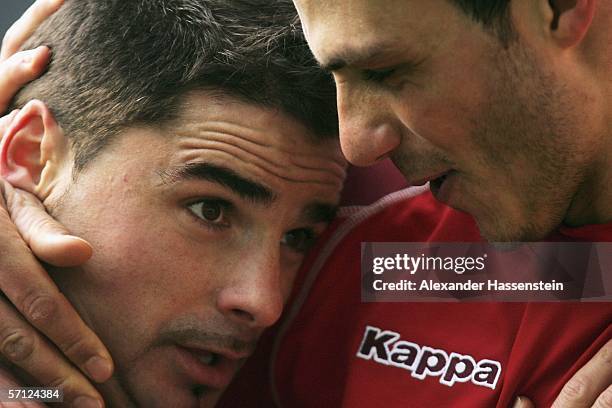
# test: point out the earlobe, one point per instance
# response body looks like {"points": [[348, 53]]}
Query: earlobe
{"points": [[571, 20], [30, 148]]}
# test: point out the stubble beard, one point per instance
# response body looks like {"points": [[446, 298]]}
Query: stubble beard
{"points": [[529, 137]]}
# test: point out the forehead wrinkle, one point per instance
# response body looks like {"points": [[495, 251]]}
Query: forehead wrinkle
{"points": [[338, 170], [218, 129], [247, 133], [297, 165], [214, 140], [194, 154]]}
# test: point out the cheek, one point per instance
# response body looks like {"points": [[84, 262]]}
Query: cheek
{"points": [[126, 283], [445, 124], [144, 258], [447, 104], [140, 276]]}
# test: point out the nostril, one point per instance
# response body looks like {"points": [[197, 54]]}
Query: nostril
{"points": [[242, 315]]}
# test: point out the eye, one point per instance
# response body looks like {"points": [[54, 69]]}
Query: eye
{"points": [[299, 240], [210, 211], [377, 75]]}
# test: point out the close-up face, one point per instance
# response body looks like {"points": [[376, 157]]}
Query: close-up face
{"points": [[495, 128], [198, 230]]}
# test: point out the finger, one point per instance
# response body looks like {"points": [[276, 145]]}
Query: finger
{"points": [[605, 399], [583, 389], [28, 286], [28, 350], [20, 69], [5, 122], [21, 405], [48, 239], [7, 382], [23, 28], [522, 402]]}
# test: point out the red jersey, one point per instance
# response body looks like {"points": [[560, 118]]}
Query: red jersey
{"points": [[331, 350]]}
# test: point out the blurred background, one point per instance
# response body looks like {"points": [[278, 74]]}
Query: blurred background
{"points": [[10, 10]]}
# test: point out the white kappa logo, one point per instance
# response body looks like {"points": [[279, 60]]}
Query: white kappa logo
{"points": [[385, 347]]}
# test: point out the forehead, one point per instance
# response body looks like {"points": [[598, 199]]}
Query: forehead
{"points": [[355, 29], [257, 141]]}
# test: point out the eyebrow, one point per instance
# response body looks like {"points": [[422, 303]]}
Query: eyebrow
{"points": [[353, 57], [366, 56], [334, 64], [242, 186]]}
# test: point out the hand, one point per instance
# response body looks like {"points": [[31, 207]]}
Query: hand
{"points": [[19, 68], [7, 380], [591, 386], [30, 293]]}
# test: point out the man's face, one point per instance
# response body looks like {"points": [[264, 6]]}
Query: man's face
{"points": [[497, 131], [198, 230]]}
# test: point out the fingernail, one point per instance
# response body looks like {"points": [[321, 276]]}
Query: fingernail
{"points": [[517, 402], [98, 369], [73, 237], [86, 402]]}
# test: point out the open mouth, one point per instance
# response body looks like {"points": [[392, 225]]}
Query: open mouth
{"points": [[436, 183], [206, 368], [440, 186], [207, 358]]}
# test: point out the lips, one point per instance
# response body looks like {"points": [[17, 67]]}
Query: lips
{"points": [[430, 178], [441, 186], [436, 183], [210, 368], [207, 357]]}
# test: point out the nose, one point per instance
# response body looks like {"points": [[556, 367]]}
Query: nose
{"points": [[367, 131], [253, 295]]}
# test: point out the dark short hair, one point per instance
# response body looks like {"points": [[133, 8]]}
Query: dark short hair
{"points": [[493, 14], [121, 63]]}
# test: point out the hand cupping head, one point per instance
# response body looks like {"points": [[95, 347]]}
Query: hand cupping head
{"points": [[193, 145]]}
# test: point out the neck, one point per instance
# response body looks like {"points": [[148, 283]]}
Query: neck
{"points": [[592, 203]]}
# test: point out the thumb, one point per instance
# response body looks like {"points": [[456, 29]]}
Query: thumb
{"points": [[48, 239], [522, 402]]}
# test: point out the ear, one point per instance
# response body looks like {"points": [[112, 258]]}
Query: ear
{"points": [[33, 149], [571, 20]]}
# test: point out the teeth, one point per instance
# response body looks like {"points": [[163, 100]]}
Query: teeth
{"points": [[206, 358]]}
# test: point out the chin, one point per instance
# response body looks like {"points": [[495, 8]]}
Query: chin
{"points": [[153, 381], [502, 222], [509, 231], [180, 398], [160, 394]]}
